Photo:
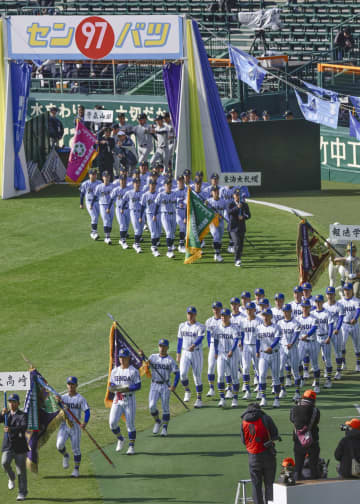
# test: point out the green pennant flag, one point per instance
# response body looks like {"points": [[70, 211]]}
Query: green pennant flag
{"points": [[199, 218]]}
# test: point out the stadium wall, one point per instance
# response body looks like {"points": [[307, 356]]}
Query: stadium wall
{"points": [[340, 156]]}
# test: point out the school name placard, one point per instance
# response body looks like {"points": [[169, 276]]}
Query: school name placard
{"points": [[95, 37], [14, 380], [242, 178]]}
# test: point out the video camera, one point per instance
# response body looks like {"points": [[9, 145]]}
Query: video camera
{"points": [[345, 428]]}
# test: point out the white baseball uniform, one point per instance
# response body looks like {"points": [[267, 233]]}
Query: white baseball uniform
{"points": [[188, 335], [124, 403], [351, 311], [77, 404], [309, 348], [161, 369], [248, 342], [268, 336], [324, 331], [337, 313], [289, 331], [210, 325], [226, 340]]}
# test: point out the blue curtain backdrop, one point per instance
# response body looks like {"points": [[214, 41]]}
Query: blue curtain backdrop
{"points": [[172, 83]]}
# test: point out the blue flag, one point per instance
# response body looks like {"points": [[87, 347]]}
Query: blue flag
{"points": [[322, 93], [355, 100], [319, 111], [247, 68], [354, 130]]}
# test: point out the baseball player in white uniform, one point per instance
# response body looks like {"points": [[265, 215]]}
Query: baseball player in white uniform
{"points": [[296, 307], [77, 404], [181, 199], [289, 356], [245, 299], [166, 202], [148, 206], [219, 205], [236, 319], [340, 245], [162, 366], [308, 346], [267, 349], [87, 190], [307, 294], [278, 313], [350, 325], [248, 327], [171, 136], [189, 353], [162, 143], [144, 137], [102, 195], [210, 325], [124, 382], [132, 199], [350, 267], [337, 312], [226, 339], [324, 335], [123, 217]]}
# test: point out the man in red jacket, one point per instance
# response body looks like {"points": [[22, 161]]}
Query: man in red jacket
{"points": [[258, 433]]}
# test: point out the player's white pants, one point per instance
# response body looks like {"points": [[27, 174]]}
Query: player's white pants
{"points": [[159, 391], [93, 212], [168, 221], [123, 219], [137, 226], [125, 407], [271, 361], [325, 350], [180, 216], [160, 155], [211, 359], [65, 432], [107, 218], [228, 366], [248, 356], [309, 349], [289, 356], [153, 225], [217, 231], [353, 331], [193, 359], [143, 153], [337, 342]]}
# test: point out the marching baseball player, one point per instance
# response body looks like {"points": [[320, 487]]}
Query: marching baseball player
{"points": [[219, 206], [77, 404], [181, 198], [124, 382], [162, 366], [236, 319], [197, 189], [308, 346], [296, 307], [166, 202], [213, 183], [245, 299], [249, 326], [148, 206], [132, 199], [307, 294], [171, 136], [350, 267], [87, 190], [102, 195], [189, 353], [289, 356], [325, 325], [278, 313], [123, 217], [337, 312], [226, 339], [162, 143], [340, 245], [350, 325], [259, 296], [187, 178], [210, 326], [267, 350], [144, 136]]}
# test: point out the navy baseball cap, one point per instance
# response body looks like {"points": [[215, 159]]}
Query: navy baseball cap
{"points": [[159, 118], [287, 307], [243, 114], [234, 300], [180, 177], [330, 290], [115, 125], [306, 285], [191, 309], [348, 286], [279, 295], [264, 301], [306, 302], [267, 312], [142, 116], [164, 342], [225, 311], [105, 174], [187, 172], [92, 171], [72, 379], [217, 304], [214, 176], [259, 291], [152, 182], [319, 297], [245, 294], [124, 352], [298, 288], [14, 397], [123, 177], [168, 181], [250, 306]]}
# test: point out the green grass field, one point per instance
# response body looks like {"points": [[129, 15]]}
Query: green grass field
{"points": [[57, 286]]}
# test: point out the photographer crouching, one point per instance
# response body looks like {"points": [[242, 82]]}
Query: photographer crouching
{"points": [[258, 433], [348, 450]]}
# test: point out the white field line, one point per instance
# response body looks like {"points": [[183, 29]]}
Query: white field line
{"points": [[88, 382], [280, 207], [356, 406]]}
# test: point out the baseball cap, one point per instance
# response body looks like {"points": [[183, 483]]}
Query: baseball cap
{"points": [[234, 300], [53, 109], [287, 307], [159, 118], [309, 394], [233, 110], [187, 172], [14, 397], [121, 133], [264, 301], [180, 177], [348, 286], [243, 114], [92, 171], [105, 174], [279, 295], [164, 342], [265, 112], [217, 304], [348, 246], [319, 297], [115, 125], [354, 423], [142, 116], [306, 285], [168, 181], [191, 309], [225, 311], [330, 290], [215, 176], [250, 306], [72, 379], [267, 312], [197, 180], [245, 294], [121, 116], [159, 165], [288, 461], [167, 114], [259, 291], [124, 352], [237, 191], [298, 288], [123, 177], [305, 302]]}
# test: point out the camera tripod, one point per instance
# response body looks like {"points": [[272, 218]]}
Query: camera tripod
{"points": [[261, 37]]}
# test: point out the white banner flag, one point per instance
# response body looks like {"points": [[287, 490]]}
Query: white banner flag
{"points": [[14, 380]]}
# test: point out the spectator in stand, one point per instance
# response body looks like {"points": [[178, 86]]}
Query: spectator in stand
{"points": [[288, 115], [348, 448], [344, 42], [55, 128], [266, 116], [46, 7], [234, 116], [253, 116], [244, 117]]}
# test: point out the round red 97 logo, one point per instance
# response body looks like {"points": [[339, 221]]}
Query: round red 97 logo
{"points": [[94, 37]]}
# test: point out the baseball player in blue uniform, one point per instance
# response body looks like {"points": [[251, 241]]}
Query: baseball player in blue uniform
{"points": [[123, 217], [337, 312], [267, 349], [87, 190], [102, 195], [219, 205], [77, 404], [132, 199], [210, 325], [189, 353], [148, 206], [289, 355], [308, 346], [350, 325], [181, 199], [226, 339], [124, 382], [248, 328], [323, 335], [162, 366], [166, 202]]}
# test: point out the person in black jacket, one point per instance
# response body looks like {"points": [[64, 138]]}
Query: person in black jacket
{"points": [[55, 127], [14, 445], [105, 159], [306, 414], [348, 448], [258, 433], [239, 213]]}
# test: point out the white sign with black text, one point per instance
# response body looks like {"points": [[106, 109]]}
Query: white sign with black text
{"points": [[240, 179], [14, 380]]}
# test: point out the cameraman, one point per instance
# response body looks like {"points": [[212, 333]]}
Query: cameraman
{"points": [[258, 433], [348, 448]]}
